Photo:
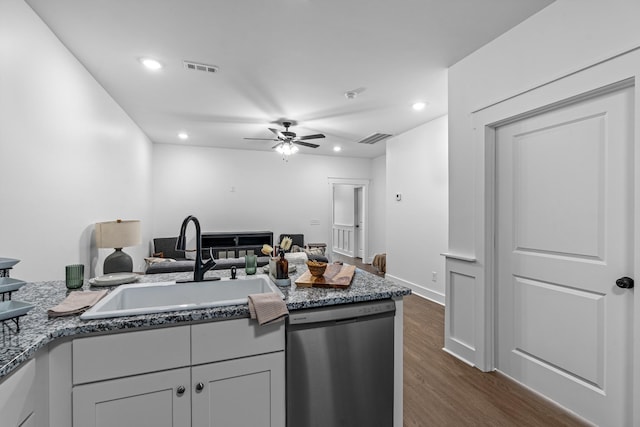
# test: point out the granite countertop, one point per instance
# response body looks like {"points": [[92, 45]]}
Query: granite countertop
{"points": [[37, 329]]}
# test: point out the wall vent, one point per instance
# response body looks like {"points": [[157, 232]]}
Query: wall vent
{"points": [[201, 67], [376, 137]]}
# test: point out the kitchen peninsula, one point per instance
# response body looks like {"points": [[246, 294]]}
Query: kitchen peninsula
{"points": [[42, 364]]}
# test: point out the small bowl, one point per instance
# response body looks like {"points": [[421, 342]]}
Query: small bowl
{"points": [[316, 268]]}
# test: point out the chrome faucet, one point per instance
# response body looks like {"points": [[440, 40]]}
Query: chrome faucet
{"points": [[199, 268]]}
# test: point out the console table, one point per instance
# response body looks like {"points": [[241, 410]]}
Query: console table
{"points": [[235, 244]]}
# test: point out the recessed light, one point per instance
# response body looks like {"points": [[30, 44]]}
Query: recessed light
{"points": [[151, 63], [419, 105], [183, 136], [337, 148]]}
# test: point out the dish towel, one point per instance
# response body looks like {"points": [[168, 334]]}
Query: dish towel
{"points": [[76, 303], [267, 308]]}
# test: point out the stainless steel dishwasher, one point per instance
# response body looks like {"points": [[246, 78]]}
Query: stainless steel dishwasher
{"points": [[340, 366]]}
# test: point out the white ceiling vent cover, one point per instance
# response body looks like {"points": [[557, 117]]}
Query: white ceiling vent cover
{"points": [[376, 137], [201, 67]]}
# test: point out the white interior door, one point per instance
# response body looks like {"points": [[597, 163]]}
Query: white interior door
{"points": [[564, 223]]}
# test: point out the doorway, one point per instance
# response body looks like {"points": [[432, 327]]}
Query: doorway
{"points": [[349, 213]]}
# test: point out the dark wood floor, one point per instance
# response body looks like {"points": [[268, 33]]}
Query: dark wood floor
{"points": [[440, 390]]}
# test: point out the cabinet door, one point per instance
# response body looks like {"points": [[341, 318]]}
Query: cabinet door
{"points": [[241, 392], [17, 404], [149, 400]]}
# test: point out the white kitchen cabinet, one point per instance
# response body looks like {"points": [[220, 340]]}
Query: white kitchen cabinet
{"points": [[136, 378], [160, 399], [24, 394], [17, 402], [240, 392]]}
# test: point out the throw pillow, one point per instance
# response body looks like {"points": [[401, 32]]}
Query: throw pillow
{"points": [[315, 251], [155, 260]]}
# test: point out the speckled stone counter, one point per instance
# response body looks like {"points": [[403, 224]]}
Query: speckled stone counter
{"points": [[37, 329]]}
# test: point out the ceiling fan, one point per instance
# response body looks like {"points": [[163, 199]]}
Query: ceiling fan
{"points": [[286, 137]]}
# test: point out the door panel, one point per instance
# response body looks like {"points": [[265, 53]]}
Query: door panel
{"points": [[549, 164], [141, 400], [241, 392], [574, 344], [564, 235]]}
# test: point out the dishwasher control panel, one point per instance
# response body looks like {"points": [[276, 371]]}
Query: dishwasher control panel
{"points": [[341, 312]]}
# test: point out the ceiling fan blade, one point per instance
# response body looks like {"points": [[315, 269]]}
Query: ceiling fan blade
{"points": [[306, 144], [262, 139], [277, 145], [315, 136], [279, 134]]}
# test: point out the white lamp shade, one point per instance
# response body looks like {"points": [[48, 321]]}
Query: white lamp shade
{"points": [[118, 234]]}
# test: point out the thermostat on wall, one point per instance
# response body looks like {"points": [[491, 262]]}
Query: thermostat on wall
{"points": [[398, 197]]}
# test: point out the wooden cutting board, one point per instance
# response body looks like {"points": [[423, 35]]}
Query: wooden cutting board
{"points": [[335, 276]]}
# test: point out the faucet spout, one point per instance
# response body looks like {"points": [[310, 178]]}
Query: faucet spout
{"points": [[199, 268]]}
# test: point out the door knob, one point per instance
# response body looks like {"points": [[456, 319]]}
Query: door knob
{"points": [[180, 390], [625, 282], [199, 387]]}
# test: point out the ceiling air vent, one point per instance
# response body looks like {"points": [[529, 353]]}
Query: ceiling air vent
{"points": [[376, 137], [201, 67]]}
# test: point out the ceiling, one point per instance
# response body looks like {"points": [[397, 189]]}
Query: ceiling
{"points": [[279, 60]]}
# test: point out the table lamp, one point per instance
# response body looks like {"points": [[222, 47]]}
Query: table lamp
{"points": [[118, 234]]}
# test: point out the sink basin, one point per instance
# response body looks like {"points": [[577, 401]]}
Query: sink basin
{"points": [[145, 298]]}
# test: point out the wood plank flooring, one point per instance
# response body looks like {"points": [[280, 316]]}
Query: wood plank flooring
{"points": [[440, 390]]}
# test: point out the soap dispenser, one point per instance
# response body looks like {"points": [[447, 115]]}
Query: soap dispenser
{"points": [[282, 267]]}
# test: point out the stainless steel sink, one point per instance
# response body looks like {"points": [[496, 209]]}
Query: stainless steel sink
{"points": [[146, 298]]}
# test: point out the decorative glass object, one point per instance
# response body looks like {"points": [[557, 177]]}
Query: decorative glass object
{"points": [[250, 264], [74, 276]]}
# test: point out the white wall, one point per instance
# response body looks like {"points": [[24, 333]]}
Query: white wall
{"points": [[563, 38], [416, 229], [69, 154], [240, 190], [378, 207]]}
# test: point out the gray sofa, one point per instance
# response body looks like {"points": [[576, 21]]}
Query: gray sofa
{"points": [[165, 247]]}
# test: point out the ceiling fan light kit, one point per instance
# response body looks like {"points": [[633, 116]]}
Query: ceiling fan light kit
{"points": [[286, 140]]}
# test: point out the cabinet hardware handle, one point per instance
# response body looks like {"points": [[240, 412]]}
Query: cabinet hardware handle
{"points": [[180, 390], [199, 387]]}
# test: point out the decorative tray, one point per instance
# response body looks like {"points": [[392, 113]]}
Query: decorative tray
{"points": [[8, 284], [6, 263], [12, 309], [335, 276], [114, 279]]}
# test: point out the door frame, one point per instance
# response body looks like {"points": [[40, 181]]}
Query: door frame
{"points": [[617, 72], [356, 182], [358, 205]]}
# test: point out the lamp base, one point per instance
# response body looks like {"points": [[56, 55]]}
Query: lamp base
{"points": [[118, 262]]}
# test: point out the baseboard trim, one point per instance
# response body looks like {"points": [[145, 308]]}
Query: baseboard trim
{"points": [[419, 290], [457, 356]]}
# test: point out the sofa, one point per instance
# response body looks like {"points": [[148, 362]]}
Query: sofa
{"points": [[166, 259]]}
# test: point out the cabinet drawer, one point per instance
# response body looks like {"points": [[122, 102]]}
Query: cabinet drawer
{"points": [[230, 339], [130, 353]]}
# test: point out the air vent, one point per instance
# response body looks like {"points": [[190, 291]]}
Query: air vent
{"points": [[201, 67], [376, 137]]}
